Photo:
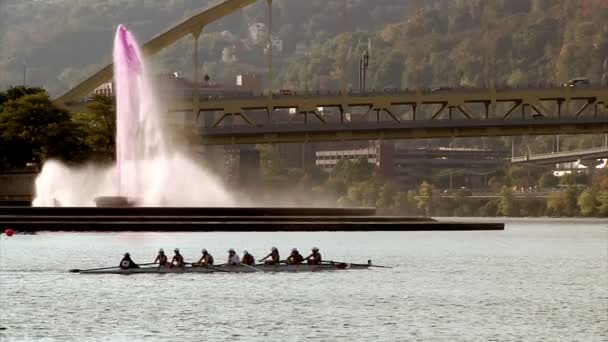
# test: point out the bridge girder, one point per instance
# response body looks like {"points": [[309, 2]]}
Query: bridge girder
{"points": [[502, 112]]}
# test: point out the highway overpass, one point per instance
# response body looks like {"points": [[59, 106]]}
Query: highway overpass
{"points": [[563, 157]]}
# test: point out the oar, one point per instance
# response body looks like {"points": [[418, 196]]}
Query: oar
{"points": [[76, 270], [209, 267], [350, 263], [253, 268]]}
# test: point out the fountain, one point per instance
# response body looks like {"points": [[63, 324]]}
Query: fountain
{"points": [[149, 169]]}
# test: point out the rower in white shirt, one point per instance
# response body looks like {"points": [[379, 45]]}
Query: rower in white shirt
{"points": [[233, 258]]}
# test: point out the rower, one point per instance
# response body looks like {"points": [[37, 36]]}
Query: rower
{"points": [[233, 258], [314, 258], [248, 259], [206, 259], [295, 257], [178, 259], [126, 262], [275, 259], [161, 259]]}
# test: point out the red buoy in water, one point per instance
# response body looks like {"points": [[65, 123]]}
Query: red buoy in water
{"points": [[9, 232]]}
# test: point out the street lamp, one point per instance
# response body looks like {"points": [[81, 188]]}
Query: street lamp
{"points": [[24, 73], [306, 66]]}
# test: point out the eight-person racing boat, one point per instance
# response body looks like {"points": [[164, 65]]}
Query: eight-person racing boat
{"points": [[294, 263], [240, 268]]}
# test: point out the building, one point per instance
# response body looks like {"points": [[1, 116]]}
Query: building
{"points": [[277, 44], [327, 160], [258, 33], [251, 82], [106, 89], [445, 167]]}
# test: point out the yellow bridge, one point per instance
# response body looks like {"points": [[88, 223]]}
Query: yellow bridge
{"points": [[401, 115]]}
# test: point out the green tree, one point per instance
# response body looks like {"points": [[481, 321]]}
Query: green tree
{"points": [[386, 198], [602, 199], [99, 124], [270, 161], [15, 93], [32, 129], [508, 205], [588, 202], [425, 198], [548, 181], [353, 171], [564, 203]]}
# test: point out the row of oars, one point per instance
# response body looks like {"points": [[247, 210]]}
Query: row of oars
{"points": [[76, 270]]}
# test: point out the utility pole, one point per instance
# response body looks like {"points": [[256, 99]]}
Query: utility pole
{"points": [[307, 65], [269, 48], [365, 66], [344, 43], [24, 72]]}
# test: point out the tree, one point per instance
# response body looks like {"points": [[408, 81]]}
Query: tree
{"points": [[548, 181], [425, 198], [352, 172], [602, 199], [405, 204], [386, 197], [270, 161], [99, 124], [390, 71], [588, 202], [508, 205], [15, 93], [32, 129], [564, 204]]}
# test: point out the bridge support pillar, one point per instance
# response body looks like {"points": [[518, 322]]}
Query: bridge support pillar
{"points": [[196, 107]]}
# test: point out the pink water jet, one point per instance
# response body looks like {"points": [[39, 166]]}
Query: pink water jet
{"points": [[149, 169]]}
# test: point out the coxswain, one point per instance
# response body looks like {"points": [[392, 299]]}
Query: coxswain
{"points": [[275, 259], [314, 258], [126, 262], [178, 259], [206, 259], [233, 258], [248, 259], [161, 258], [295, 257]]}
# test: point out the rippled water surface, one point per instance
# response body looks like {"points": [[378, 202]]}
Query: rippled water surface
{"points": [[539, 281]]}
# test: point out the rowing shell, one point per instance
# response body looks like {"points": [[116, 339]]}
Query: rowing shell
{"points": [[234, 269]]}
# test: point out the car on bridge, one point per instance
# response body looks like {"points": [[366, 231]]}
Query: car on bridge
{"points": [[578, 82]]}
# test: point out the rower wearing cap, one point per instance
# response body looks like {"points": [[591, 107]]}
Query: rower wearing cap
{"points": [[126, 262], [233, 258], [314, 258], [248, 259], [178, 259], [206, 259], [295, 257], [275, 259], [161, 258]]}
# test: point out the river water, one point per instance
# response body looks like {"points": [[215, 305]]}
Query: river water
{"points": [[535, 281]]}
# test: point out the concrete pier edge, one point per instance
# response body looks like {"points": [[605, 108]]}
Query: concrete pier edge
{"points": [[249, 219]]}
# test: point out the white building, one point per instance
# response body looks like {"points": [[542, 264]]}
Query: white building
{"points": [[258, 33], [327, 160]]}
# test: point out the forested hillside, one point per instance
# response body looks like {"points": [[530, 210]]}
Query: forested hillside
{"points": [[413, 42]]}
